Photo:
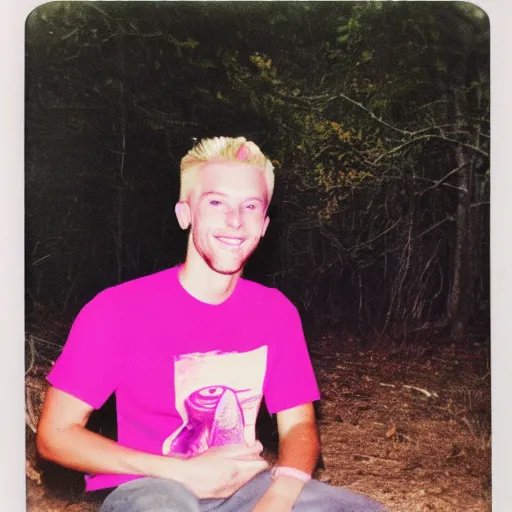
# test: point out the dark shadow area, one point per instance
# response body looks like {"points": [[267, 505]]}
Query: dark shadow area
{"points": [[66, 483]]}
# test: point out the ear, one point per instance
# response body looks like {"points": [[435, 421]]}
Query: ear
{"points": [[265, 226], [182, 210]]}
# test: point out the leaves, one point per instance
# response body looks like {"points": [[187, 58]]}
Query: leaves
{"points": [[365, 105]]}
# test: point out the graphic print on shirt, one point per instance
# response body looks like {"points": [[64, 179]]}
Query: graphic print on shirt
{"points": [[218, 397]]}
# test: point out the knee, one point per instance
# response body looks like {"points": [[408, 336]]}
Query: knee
{"points": [[322, 497], [150, 495]]}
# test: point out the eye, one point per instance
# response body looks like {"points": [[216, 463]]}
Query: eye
{"points": [[214, 391], [251, 207], [207, 398], [214, 202]]}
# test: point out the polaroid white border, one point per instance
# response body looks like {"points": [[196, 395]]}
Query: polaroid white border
{"points": [[12, 426]]}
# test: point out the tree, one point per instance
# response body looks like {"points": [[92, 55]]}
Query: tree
{"points": [[376, 115]]}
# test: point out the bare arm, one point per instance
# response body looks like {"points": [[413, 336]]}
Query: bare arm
{"points": [[63, 438], [299, 444], [299, 448]]}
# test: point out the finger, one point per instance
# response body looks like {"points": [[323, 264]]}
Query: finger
{"points": [[253, 465], [249, 456], [254, 450], [238, 450], [257, 446]]}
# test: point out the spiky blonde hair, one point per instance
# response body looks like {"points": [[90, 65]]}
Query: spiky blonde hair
{"points": [[222, 149]]}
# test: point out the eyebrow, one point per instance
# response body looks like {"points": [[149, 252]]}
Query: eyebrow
{"points": [[222, 194]]}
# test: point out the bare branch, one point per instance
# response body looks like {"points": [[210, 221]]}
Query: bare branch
{"points": [[428, 394], [79, 52], [32, 347], [437, 224], [132, 34], [396, 149], [158, 33], [69, 34], [94, 5], [372, 114], [416, 134], [421, 178], [463, 144], [433, 127], [368, 242], [381, 121], [300, 100], [445, 177], [426, 138], [40, 259]]}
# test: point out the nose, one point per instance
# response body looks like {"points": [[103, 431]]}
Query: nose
{"points": [[234, 219]]}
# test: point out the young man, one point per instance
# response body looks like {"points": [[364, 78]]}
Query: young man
{"points": [[190, 353]]}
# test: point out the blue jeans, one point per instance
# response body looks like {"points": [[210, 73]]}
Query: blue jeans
{"points": [[161, 495]]}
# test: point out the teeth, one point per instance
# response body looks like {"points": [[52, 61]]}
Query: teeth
{"points": [[235, 242]]}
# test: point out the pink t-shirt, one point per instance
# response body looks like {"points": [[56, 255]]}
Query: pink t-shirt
{"points": [[187, 375]]}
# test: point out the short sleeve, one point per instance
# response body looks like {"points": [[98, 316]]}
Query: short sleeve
{"points": [[86, 367], [290, 379]]}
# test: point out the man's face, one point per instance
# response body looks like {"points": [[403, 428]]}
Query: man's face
{"points": [[228, 214]]}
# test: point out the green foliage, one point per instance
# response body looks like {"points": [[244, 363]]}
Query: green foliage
{"points": [[363, 106]]}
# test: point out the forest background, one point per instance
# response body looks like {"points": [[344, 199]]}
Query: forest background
{"points": [[376, 116]]}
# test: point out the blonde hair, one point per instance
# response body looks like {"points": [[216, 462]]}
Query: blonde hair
{"points": [[222, 149]]}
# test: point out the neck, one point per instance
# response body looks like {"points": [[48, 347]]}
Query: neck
{"points": [[204, 283]]}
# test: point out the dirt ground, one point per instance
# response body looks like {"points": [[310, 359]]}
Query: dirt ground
{"points": [[405, 423]]}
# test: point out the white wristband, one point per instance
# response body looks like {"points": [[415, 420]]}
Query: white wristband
{"points": [[287, 471]]}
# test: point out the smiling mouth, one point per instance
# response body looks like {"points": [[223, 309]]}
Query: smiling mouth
{"points": [[230, 241]]}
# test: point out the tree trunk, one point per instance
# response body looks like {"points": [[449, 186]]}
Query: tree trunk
{"points": [[459, 299]]}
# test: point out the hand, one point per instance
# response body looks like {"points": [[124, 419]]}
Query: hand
{"points": [[221, 471]]}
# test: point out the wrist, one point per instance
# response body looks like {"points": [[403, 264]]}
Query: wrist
{"points": [[165, 467], [278, 471], [287, 488]]}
